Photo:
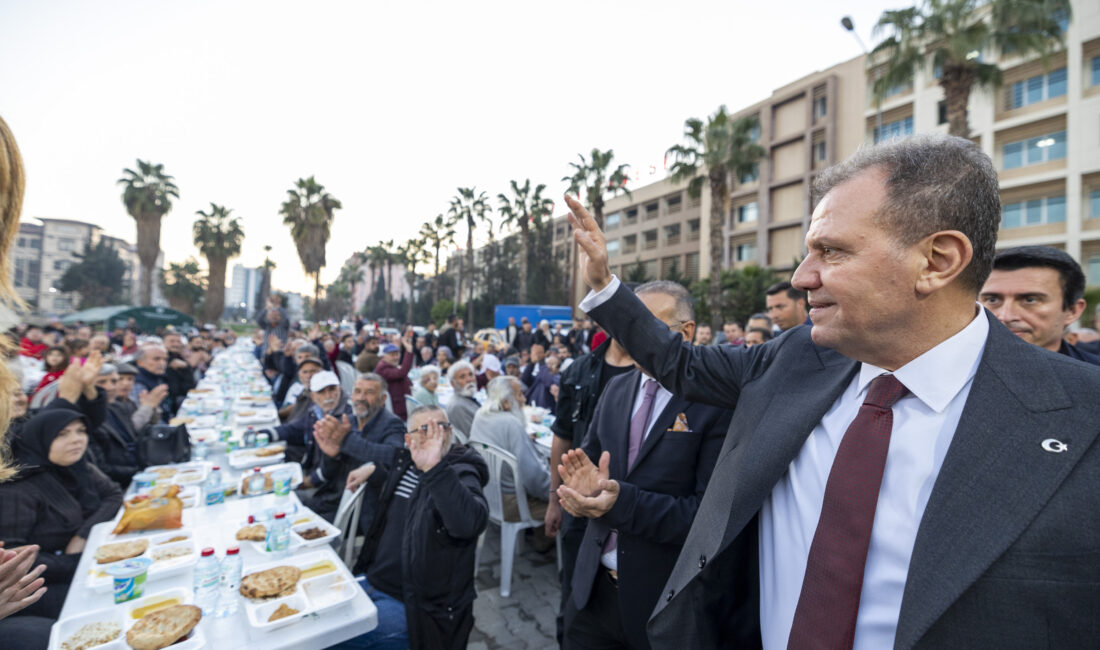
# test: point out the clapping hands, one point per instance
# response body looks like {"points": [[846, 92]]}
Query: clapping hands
{"points": [[18, 587], [330, 433], [586, 490]]}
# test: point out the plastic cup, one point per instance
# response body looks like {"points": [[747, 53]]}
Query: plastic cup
{"points": [[280, 482], [129, 578], [145, 481]]}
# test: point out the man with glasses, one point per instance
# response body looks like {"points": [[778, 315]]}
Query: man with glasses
{"points": [[419, 552]]}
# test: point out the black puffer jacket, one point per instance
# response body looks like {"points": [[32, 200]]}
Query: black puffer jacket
{"points": [[446, 513]]}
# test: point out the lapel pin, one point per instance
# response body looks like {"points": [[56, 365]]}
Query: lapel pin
{"points": [[1054, 446]]}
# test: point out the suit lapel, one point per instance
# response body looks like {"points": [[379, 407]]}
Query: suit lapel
{"points": [[665, 419], [621, 435], [995, 479]]}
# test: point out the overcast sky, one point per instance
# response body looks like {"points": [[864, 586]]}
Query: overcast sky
{"points": [[391, 105]]}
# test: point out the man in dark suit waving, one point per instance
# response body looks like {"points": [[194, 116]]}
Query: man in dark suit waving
{"points": [[904, 473], [655, 453]]}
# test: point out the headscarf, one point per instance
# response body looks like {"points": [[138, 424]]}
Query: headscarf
{"points": [[32, 452]]}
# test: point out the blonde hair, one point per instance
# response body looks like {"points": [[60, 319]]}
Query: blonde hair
{"points": [[12, 184]]}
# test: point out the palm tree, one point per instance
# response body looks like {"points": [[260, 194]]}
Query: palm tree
{"points": [[265, 282], [183, 285], [524, 209], [953, 35], [471, 206], [437, 234], [716, 150], [309, 210], [351, 274], [412, 253], [218, 237], [391, 255], [147, 194], [596, 177]]}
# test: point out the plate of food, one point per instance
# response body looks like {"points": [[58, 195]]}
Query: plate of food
{"points": [[152, 622], [245, 458], [281, 593], [170, 553]]}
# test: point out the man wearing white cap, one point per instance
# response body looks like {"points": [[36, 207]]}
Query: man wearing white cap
{"points": [[490, 370], [328, 399]]}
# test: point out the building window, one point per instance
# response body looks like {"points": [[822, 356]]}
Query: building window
{"points": [[1094, 204], [821, 108], [61, 303], [693, 230], [672, 234], [62, 265], [1035, 150], [649, 238], [612, 220], [1037, 89], [22, 242], [675, 203], [896, 129], [66, 244], [754, 132], [747, 213], [632, 216], [1034, 212], [613, 247], [744, 253], [819, 151], [941, 112], [691, 266], [1094, 75], [751, 176], [1093, 269], [630, 244], [36, 242], [652, 210]]}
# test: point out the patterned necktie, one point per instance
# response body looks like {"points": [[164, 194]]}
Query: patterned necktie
{"points": [[829, 602], [638, 425]]}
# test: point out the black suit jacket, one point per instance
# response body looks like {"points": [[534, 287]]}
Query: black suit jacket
{"points": [[1006, 553], [659, 495]]}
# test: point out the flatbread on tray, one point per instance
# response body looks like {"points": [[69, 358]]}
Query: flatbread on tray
{"points": [[163, 627], [278, 581], [121, 551]]}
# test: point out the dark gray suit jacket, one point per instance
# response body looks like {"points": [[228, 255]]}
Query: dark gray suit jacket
{"points": [[1007, 553]]}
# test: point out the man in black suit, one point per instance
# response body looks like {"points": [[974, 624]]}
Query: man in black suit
{"points": [[903, 473], [1037, 292], [654, 461], [511, 331], [454, 337]]}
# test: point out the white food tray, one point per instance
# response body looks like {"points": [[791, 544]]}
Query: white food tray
{"points": [[295, 477], [312, 595], [190, 473], [247, 458], [99, 581], [299, 523], [123, 616]]}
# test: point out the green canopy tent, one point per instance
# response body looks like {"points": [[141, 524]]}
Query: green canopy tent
{"points": [[146, 318]]}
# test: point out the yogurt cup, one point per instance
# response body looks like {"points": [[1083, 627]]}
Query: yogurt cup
{"points": [[145, 481], [280, 482], [129, 578]]}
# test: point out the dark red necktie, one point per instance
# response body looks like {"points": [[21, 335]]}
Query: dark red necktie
{"points": [[829, 602]]}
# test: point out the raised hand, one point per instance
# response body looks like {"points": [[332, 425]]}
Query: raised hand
{"points": [[358, 476], [153, 398], [593, 245], [90, 370], [427, 448], [580, 475], [18, 587]]}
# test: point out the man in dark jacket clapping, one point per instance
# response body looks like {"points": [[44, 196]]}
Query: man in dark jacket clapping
{"points": [[419, 554]]}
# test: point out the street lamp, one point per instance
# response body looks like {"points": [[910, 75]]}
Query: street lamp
{"points": [[846, 23]]}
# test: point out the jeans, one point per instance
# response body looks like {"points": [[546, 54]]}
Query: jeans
{"points": [[392, 632]]}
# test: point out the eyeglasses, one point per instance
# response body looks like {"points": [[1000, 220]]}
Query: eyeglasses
{"points": [[443, 426]]}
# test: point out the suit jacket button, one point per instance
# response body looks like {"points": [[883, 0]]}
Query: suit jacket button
{"points": [[671, 592], [702, 561]]}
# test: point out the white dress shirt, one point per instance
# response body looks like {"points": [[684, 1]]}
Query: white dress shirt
{"points": [[925, 420], [924, 424], [660, 400]]}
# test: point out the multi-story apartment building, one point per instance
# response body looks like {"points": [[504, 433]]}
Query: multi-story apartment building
{"points": [[244, 289], [44, 252]]}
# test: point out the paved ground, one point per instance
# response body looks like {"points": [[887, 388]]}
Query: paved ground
{"points": [[526, 619]]}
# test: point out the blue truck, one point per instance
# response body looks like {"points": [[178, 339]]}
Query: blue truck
{"points": [[533, 313]]}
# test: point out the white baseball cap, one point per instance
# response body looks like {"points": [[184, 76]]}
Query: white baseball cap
{"points": [[323, 380]]}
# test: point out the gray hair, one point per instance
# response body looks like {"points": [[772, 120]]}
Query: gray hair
{"points": [[933, 183], [140, 354], [685, 309], [458, 366], [107, 369], [501, 397], [309, 348], [427, 371], [371, 376]]}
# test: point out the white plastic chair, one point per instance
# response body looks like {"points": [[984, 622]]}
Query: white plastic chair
{"points": [[347, 375], [347, 520], [44, 396], [498, 459], [411, 404]]}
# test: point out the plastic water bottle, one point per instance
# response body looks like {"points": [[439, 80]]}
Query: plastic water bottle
{"points": [[207, 575], [278, 536], [255, 482], [213, 489], [230, 582], [199, 451]]}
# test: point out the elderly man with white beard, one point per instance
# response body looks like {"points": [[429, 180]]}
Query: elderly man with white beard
{"points": [[369, 427], [463, 406]]}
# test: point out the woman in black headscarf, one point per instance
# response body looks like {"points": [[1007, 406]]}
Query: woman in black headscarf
{"points": [[55, 500]]}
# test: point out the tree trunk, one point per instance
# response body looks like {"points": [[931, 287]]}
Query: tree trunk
{"points": [[389, 288], [956, 82], [316, 291], [523, 235], [435, 279], [148, 245], [719, 208], [470, 273], [412, 292], [265, 288], [215, 290]]}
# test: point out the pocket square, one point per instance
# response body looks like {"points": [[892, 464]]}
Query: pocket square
{"points": [[681, 423]]}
